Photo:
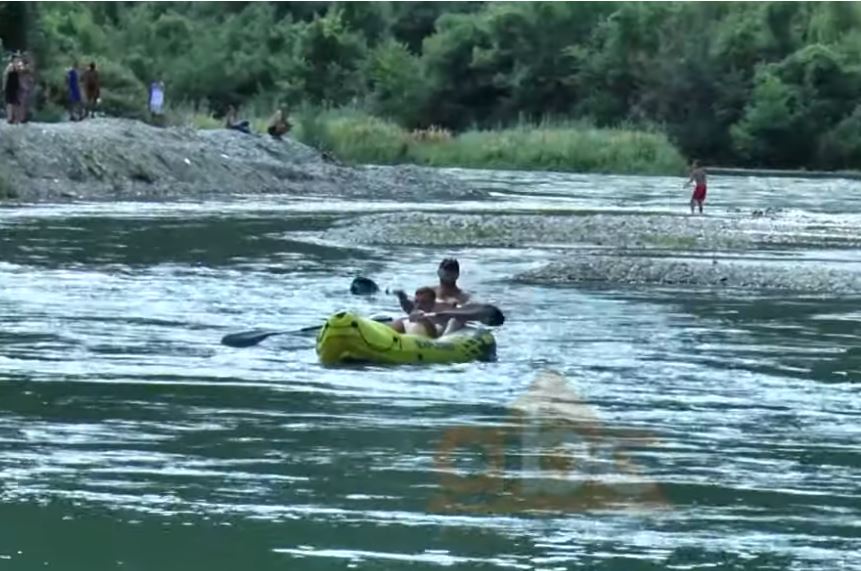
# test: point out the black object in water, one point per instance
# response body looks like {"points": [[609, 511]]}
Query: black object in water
{"points": [[363, 286]]}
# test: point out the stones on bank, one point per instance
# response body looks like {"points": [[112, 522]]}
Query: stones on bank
{"points": [[120, 159], [732, 251], [735, 232], [770, 275]]}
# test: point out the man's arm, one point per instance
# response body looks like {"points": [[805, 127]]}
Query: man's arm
{"points": [[486, 313], [430, 326]]}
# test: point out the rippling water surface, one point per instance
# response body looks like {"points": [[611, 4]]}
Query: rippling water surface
{"points": [[691, 430]]}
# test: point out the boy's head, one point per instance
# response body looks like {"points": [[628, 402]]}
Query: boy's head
{"points": [[425, 299]]}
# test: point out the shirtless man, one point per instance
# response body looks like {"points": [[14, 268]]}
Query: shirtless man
{"points": [[448, 294], [418, 323], [698, 176]]}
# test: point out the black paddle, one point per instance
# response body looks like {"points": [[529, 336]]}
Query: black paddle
{"points": [[359, 286], [255, 336], [483, 312]]}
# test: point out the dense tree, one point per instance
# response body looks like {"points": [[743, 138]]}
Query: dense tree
{"points": [[765, 83]]}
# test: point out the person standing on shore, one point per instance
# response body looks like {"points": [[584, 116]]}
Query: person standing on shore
{"points": [[74, 93], [28, 82], [698, 177], [92, 89], [156, 100], [12, 90]]}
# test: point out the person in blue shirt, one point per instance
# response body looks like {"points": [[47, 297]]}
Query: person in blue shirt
{"points": [[74, 92]]}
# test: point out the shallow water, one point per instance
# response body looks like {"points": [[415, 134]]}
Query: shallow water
{"points": [[699, 429]]}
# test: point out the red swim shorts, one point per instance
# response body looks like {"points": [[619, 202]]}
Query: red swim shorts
{"points": [[699, 193]]}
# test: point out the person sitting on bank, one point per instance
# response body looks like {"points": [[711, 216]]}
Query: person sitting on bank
{"points": [[232, 122], [279, 125]]}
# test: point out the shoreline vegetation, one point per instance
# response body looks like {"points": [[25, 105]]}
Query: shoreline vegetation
{"points": [[621, 88], [356, 137]]}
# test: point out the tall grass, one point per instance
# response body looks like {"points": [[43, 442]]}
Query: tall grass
{"points": [[578, 147], [354, 136], [571, 147], [6, 189]]}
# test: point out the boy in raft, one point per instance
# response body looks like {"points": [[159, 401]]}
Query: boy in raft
{"points": [[447, 294], [418, 323], [698, 177]]}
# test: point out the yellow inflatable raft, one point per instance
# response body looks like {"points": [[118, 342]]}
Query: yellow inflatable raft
{"points": [[350, 338]]}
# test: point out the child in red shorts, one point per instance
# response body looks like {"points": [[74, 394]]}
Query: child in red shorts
{"points": [[698, 177]]}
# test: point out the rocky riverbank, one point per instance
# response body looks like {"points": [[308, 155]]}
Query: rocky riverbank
{"points": [[117, 159], [620, 231], [744, 250], [702, 274]]}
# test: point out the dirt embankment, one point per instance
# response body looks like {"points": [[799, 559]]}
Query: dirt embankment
{"points": [[117, 159]]}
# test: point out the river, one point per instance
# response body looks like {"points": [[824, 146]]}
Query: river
{"points": [[699, 429]]}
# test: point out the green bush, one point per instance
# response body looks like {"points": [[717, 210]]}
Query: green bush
{"points": [[558, 148], [6, 189], [840, 148], [764, 83], [353, 136], [122, 94], [49, 113]]}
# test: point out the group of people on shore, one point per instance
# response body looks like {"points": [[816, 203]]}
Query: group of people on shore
{"points": [[18, 87], [83, 107], [84, 96], [83, 90]]}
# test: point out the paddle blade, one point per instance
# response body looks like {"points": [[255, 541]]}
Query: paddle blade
{"points": [[484, 312], [247, 338], [255, 336], [495, 317]]}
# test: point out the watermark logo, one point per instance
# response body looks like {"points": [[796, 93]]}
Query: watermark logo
{"points": [[552, 453]]}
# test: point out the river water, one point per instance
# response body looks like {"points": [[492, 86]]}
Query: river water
{"points": [[698, 430]]}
